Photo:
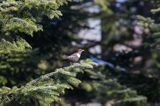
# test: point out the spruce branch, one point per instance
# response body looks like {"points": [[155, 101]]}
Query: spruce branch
{"points": [[45, 89]]}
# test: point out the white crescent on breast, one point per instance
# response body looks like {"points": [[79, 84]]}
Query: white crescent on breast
{"points": [[78, 55]]}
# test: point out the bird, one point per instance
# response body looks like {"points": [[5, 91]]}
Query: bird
{"points": [[75, 56]]}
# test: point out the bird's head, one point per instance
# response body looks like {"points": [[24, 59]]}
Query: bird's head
{"points": [[80, 50]]}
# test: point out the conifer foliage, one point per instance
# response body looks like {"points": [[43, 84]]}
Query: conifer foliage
{"points": [[45, 89], [20, 19], [23, 64], [24, 16], [49, 88]]}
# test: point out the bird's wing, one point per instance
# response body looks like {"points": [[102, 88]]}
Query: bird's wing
{"points": [[73, 57]]}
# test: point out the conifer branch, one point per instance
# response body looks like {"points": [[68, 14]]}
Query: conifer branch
{"points": [[45, 89]]}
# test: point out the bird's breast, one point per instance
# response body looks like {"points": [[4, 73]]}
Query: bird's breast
{"points": [[78, 55]]}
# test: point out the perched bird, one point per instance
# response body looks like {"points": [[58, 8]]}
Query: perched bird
{"points": [[75, 56]]}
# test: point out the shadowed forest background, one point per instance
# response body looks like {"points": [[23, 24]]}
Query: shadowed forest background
{"points": [[120, 65]]}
